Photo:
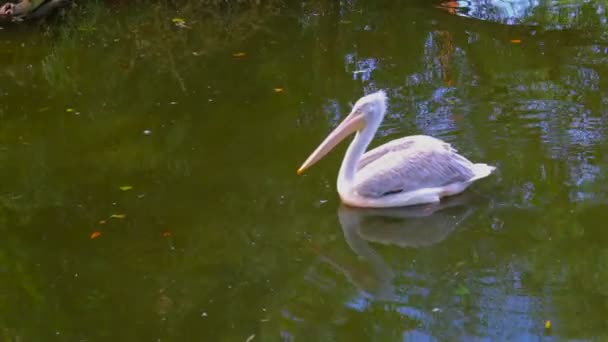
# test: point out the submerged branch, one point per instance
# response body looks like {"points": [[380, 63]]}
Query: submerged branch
{"points": [[29, 9]]}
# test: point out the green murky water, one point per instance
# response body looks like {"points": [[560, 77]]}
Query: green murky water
{"points": [[223, 242]]}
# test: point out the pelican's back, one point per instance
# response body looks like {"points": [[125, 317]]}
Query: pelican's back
{"points": [[413, 163]]}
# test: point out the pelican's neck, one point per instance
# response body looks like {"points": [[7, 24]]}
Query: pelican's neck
{"points": [[355, 151]]}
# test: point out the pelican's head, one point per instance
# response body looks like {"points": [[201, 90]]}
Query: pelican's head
{"points": [[371, 107], [367, 113]]}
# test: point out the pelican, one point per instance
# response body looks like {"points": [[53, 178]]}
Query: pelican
{"points": [[412, 170]]}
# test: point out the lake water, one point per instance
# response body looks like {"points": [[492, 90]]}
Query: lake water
{"points": [[149, 193]]}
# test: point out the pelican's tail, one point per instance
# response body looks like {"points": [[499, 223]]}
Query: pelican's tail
{"points": [[481, 170]]}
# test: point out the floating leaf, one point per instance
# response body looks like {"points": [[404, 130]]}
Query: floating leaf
{"points": [[166, 234], [102, 221], [250, 338], [95, 235], [118, 216], [87, 28], [457, 117], [126, 187], [547, 324], [515, 41], [179, 22], [239, 54], [462, 291], [69, 110], [278, 90]]}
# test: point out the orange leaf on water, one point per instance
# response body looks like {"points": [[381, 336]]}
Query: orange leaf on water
{"points": [[515, 41], [95, 235], [166, 234]]}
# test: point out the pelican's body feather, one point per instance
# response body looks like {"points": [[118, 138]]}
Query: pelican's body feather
{"points": [[404, 168]]}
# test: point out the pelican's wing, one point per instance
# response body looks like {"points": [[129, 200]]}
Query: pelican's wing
{"points": [[410, 164], [391, 146], [402, 144]]}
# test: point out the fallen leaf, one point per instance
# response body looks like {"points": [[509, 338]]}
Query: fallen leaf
{"points": [[278, 90], [166, 234], [179, 22], [547, 324], [102, 222], [515, 41], [126, 187], [250, 338], [118, 216], [95, 235], [457, 117], [43, 109], [69, 110], [239, 54]]}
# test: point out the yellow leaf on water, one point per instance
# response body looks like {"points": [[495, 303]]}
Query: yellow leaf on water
{"points": [[278, 90], [95, 235], [118, 216], [239, 54], [126, 187], [178, 21], [69, 110], [547, 324]]}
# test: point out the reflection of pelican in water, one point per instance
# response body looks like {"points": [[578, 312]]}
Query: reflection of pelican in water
{"points": [[407, 171], [413, 227]]}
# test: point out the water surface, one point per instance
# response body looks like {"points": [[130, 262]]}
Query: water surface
{"points": [[149, 189]]}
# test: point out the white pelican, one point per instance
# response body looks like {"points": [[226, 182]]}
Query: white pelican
{"points": [[412, 170]]}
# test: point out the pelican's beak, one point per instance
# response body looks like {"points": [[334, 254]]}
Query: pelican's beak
{"points": [[353, 122]]}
